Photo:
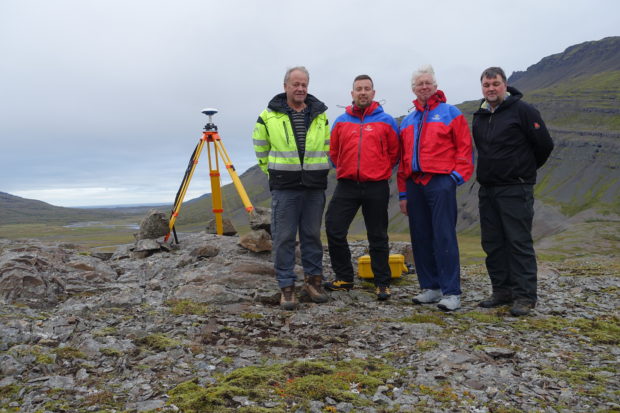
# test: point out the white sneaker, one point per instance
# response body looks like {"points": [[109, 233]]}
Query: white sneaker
{"points": [[428, 297], [450, 303]]}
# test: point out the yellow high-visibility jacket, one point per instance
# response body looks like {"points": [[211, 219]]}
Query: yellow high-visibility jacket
{"points": [[276, 147]]}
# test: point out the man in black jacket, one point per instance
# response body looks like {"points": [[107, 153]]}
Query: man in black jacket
{"points": [[512, 142]]}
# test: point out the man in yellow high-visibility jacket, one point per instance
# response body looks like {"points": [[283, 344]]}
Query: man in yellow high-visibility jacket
{"points": [[291, 140]]}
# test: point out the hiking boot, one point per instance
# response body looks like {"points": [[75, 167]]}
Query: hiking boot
{"points": [[521, 307], [428, 297], [383, 293], [338, 285], [449, 303], [495, 301], [313, 285], [287, 298]]}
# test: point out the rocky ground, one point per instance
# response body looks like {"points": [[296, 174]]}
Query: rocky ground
{"points": [[197, 328]]}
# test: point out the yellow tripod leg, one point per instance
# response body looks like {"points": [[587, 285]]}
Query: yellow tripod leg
{"points": [[184, 185], [235, 178], [216, 190]]}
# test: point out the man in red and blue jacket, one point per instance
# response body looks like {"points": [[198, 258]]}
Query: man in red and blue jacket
{"points": [[364, 149], [436, 157]]}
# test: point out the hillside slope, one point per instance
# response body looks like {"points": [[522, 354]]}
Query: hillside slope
{"points": [[17, 210]]}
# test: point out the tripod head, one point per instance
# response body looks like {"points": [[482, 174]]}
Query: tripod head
{"points": [[210, 112]]}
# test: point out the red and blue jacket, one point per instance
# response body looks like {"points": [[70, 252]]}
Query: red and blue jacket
{"points": [[435, 139], [364, 144]]}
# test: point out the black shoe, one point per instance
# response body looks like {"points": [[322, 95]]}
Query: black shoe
{"points": [[338, 285], [522, 307], [383, 293], [495, 301]]}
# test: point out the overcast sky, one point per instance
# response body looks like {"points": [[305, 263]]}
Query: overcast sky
{"points": [[100, 100]]}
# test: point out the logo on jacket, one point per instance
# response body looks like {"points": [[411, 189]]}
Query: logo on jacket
{"points": [[536, 125], [436, 117], [368, 128]]}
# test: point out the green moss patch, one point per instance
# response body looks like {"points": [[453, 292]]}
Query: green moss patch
{"points": [[159, 342], [421, 318], [601, 330], [187, 307], [295, 382], [68, 353]]}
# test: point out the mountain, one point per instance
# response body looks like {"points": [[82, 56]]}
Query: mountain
{"points": [[578, 95], [582, 60]]}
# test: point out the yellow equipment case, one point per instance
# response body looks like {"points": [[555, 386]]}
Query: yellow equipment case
{"points": [[397, 266]]}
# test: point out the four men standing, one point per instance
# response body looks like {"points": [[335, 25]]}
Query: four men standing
{"points": [[292, 142]]}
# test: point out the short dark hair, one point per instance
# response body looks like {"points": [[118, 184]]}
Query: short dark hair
{"points": [[363, 77], [492, 72]]}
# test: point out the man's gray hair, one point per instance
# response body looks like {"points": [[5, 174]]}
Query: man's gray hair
{"points": [[493, 72], [423, 70], [302, 69]]}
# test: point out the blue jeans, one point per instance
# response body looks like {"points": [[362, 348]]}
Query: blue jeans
{"points": [[294, 210], [432, 223]]}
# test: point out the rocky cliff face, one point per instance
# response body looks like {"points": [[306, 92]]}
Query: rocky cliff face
{"points": [[197, 328], [585, 59]]}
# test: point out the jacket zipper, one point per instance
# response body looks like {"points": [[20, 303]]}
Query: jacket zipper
{"points": [[285, 132], [359, 150], [489, 128], [416, 142]]}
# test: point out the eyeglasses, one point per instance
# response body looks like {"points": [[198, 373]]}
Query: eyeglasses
{"points": [[420, 84]]}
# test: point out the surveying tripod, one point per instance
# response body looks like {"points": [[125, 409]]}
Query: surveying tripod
{"points": [[210, 136]]}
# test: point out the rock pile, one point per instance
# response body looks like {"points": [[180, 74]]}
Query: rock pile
{"points": [[196, 328]]}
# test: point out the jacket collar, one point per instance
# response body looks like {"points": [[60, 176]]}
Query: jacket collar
{"points": [[315, 106], [432, 102], [358, 112], [512, 95]]}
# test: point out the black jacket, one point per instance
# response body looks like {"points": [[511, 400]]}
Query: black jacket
{"points": [[512, 142]]}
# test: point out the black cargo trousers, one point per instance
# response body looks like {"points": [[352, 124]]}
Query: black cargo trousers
{"points": [[506, 214], [373, 197]]}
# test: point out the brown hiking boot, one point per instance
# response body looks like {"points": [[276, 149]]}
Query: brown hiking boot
{"points": [[313, 285], [287, 299]]}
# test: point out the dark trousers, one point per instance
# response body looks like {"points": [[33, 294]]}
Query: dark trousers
{"points": [[432, 222], [506, 214], [373, 197]]}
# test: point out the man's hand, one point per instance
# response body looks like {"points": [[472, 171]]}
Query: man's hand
{"points": [[403, 206]]}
